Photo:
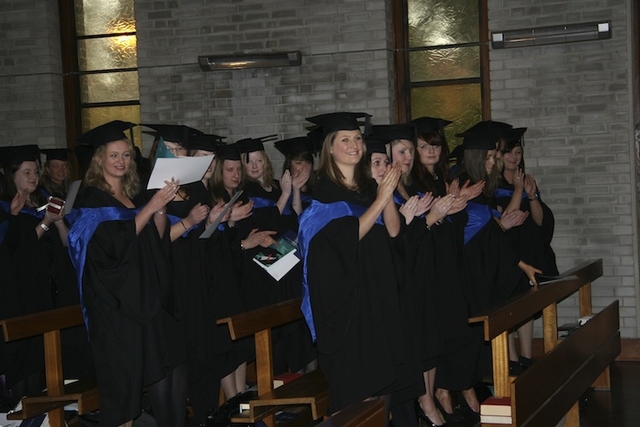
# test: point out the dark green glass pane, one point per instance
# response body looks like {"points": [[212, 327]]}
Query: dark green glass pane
{"points": [[462, 104], [95, 17], [444, 64], [107, 53], [93, 117], [109, 87], [443, 22]]}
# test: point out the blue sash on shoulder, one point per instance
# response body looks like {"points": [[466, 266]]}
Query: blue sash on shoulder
{"points": [[84, 222], [506, 192], [262, 202], [312, 220], [479, 216]]}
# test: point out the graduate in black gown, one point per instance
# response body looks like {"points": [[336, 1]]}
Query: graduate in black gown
{"points": [[26, 286], [351, 300], [532, 240], [420, 287], [493, 270], [226, 181], [276, 205], [203, 279], [119, 245], [298, 161], [459, 346], [56, 175]]}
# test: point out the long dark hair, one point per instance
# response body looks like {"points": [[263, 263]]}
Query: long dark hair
{"points": [[9, 189], [474, 166], [328, 167], [305, 156], [420, 174]]}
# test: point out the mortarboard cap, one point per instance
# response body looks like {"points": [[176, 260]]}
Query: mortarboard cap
{"points": [[376, 145], [228, 152], [332, 122], [479, 141], [513, 136], [180, 134], [249, 145], [103, 134], [430, 124], [299, 144], [487, 127], [390, 133], [14, 155], [56, 154], [206, 142]]}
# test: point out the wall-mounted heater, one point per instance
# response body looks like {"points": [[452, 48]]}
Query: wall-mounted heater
{"points": [[249, 60], [551, 35]]}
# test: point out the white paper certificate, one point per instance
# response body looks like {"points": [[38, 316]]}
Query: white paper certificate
{"points": [[183, 170]]}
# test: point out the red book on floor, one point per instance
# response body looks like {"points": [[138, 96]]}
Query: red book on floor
{"points": [[493, 405], [281, 379]]}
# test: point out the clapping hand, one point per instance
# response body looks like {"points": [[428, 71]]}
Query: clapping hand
{"points": [[258, 238], [512, 219]]}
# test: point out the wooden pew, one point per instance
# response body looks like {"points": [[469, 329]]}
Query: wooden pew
{"points": [[369, 413], [551, 388], [83, 392], [310, 389]]}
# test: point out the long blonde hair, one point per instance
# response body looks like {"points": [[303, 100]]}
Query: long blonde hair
{"points": [[95, 178], [405, 178], [267, 172]]}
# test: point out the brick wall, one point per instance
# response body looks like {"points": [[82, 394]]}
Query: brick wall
{"points": [[31, 100], [346, 64], [575, 100]]}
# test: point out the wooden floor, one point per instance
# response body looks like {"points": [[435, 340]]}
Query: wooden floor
{"points": [[618, 408]]}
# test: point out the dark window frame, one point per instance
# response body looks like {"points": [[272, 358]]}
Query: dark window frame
{"points": [[71, 73], [401, 48]]}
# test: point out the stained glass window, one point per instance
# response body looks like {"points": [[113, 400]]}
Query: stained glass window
{"points": [[107, 61], [443, 61]]}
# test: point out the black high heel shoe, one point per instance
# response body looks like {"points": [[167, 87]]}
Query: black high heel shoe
{"points": [[453, 417], [422, 416]]}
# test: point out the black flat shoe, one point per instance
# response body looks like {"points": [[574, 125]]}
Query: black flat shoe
{"points": [[422, 416], [453, 417]]}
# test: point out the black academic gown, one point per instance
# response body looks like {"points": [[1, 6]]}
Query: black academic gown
{"points": [[26, 289], [460, 346], [530, 240], [206, 284], [293, 348], [361, 333], [128, 297], [418, 286]]}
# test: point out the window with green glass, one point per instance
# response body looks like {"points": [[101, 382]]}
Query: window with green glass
{"points": [[105, 61], [443, 56]]}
